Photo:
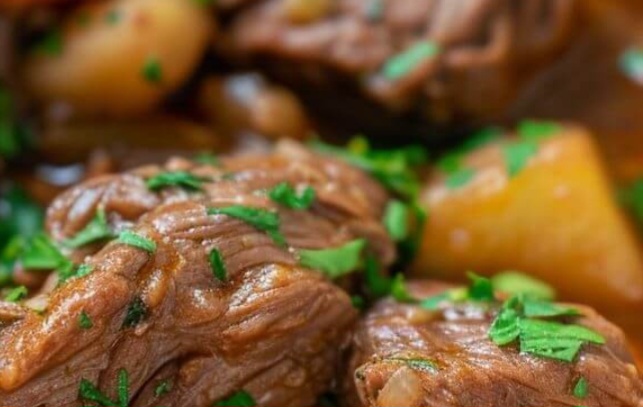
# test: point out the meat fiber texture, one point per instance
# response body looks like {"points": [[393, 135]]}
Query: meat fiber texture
{"points": [[395, 345], [274, 328], [485, 50]]}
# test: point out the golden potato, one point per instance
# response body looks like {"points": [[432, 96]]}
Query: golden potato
{"points": [[121, 57], [556, 219]]}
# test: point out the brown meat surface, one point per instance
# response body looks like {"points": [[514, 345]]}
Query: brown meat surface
{"points": [[274, 328], [488, 49], [470, 370]]}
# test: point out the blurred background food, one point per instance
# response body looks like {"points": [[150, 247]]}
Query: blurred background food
{"points": [[531, 113]]}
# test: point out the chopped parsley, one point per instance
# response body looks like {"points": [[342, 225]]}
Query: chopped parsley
{"points": [[528, 322], [152, 71], [287, 196], [97, 229], [87, 391], [459, 178], [207, 158], [51, 44], [84, 321], [395, 169], [408, 60], [136, 313], [632, 198], [218, 266], [239, 399], [40, 253], [358, 302], [517, 155], [480, 289], [16, 294], [399, 290], [530, 133], [135, 240], [181, 179], [631, 64], [261, 219], [113, 17], [452, 163], [396, 220], [335, 262], [417, 363], [374, 10], [378, 284], [513, 283], [581, 389], [162, 388], [83, 270]]}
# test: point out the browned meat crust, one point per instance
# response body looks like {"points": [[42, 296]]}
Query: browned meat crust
{"points": [[274, 328], [487, 49], [471, 371]]}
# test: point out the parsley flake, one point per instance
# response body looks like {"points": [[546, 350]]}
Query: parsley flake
{"points": [[218, 266], [152, 71], [287, 196], [84, 321], [400, 291], [162, 388], [544, 338], [480, 289], [16, 294], [459, 178], [632, 198], [409, 59], [97, 229], [136, 313], [88, 391], [239, 399], [181, 179], [135, 240], [335, 262], [261, 219], [581, 389], [51, 44], [378, 284], [396, 220], [517, 155], [514, 283]]}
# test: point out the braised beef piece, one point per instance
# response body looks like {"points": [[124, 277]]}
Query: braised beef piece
{"points": [[270, 327], [449, 61], [444, 358]]}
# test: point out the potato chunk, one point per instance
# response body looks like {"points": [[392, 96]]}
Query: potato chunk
{"points": [[556, 219], [120, 58]]}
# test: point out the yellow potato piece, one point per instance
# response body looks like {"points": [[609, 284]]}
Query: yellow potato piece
{"points": [[105, 50], [556, 220]]}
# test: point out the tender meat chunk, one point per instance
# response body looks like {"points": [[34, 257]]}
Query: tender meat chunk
{"points": [[441, 59], [402, 352], [272, 327]]}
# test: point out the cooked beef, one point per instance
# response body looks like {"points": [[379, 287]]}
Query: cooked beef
{"points": [[272, 328], [486, 50], [394, 340]]}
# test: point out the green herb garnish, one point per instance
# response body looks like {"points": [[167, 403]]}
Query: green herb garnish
{"points": [[530, 133], [16, 294], [396, 220], [581, 389], [218, 266], [480, 289], [544, 338], [181, 179], [41, 253], [378, 284], [207, 158], [88, 391], [84, 321], [514, 283], [261, 219], [152, 71], [532, 130], [97, 229], [51, 44], [135, 240], [395, 169], [286, 195], [162, 388], [408, 60], [136, 313], [459, 178], [335, 262], [238, 399], [358, 302], [631, 63], [400, 291], [632, 198]]}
